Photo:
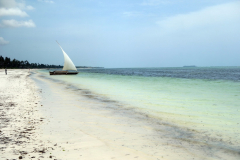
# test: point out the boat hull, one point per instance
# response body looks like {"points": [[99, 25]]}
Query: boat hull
{"points": [[62, 73]]}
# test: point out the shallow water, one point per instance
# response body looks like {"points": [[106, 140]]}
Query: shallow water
{"points": [[205, 100]]}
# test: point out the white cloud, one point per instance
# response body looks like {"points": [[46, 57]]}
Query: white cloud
{"points": [[8, 3], [3, 42], [216, 15], [29, 7], [46, 1], [13, 4], [12, 12], [15, 8], [13, 23]]}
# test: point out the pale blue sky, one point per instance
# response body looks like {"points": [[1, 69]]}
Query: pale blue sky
{"points": [[122, 33]]}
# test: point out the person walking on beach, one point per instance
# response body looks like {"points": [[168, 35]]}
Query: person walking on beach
{"points": [[6, 71]]}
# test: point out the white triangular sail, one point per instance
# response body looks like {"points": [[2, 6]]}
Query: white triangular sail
{"points": [[68, 64]]}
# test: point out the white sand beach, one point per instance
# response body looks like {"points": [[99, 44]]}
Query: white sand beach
{"points": [[19, 115], [44, 119]]}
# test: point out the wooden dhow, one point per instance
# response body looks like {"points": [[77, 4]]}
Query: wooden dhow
{"points": [[68, 68]]}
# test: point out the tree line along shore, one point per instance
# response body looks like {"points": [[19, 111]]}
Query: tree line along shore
{"points": [[6, 62]]}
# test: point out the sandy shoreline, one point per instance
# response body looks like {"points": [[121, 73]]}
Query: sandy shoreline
{"points": [[46, 119], [30, 130]]}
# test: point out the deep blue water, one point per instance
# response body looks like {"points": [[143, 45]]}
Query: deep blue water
{"points": [[211, 73]]}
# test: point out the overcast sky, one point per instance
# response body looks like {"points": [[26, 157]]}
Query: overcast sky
{"points": [[122, 33]]}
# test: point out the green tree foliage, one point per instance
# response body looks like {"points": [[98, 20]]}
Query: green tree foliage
{"points": [[7, 63]]}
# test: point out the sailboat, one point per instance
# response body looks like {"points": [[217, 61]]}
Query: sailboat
{"points": [[68, 68]]}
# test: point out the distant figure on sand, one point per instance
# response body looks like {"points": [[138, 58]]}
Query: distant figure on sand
{"points": [[6, 71]]}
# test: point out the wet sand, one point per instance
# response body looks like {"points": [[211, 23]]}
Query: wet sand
{"points": [[44, 119]]}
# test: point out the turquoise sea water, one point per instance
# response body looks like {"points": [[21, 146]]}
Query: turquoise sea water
{"points": [[206, 100]]}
